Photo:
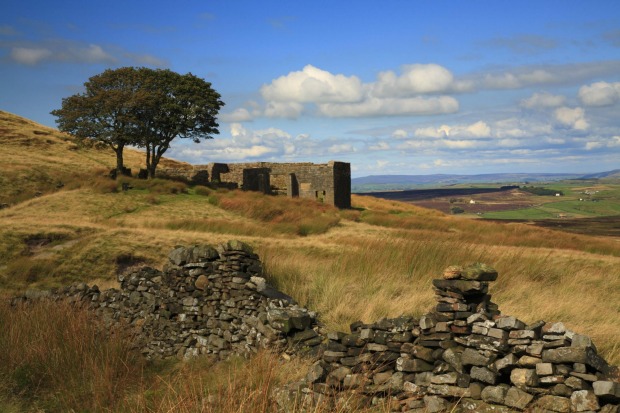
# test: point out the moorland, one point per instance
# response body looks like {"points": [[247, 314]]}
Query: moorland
{"points": [[65, 221]]}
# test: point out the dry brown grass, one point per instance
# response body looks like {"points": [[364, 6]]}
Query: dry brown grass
{"points": [[57, 358], [373, 261]]}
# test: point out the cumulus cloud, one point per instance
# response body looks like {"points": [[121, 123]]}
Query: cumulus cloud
{"points": [[337, 95], [600, 94], [373, 106], [312, 84], [289, 110], [238, 115], [543, 100], [417, 89], [415, 79], [572, 117], [267, 144]]}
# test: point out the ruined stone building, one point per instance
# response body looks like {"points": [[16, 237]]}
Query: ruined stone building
{"points": [[329, 183]]}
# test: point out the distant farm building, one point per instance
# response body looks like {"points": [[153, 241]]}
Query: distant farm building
{"points": [[329, 183]]}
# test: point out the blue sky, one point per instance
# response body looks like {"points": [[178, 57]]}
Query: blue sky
{"points": [[394, 87]]}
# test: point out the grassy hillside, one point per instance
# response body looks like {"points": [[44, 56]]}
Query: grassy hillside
{"points": [[39, 160], [372, 261]]}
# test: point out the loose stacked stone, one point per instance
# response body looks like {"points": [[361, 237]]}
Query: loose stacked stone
{"points": [[464, 353], [463, 357], [207, 300]]}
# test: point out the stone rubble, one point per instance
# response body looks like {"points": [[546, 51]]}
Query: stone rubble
{"points": [[465, 356], [207, 300]]}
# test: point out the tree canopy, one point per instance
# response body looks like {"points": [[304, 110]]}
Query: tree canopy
{"points": [[142, 107]]}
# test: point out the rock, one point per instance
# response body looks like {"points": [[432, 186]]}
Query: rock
{"points": [[468, 405], [483, 374], [179, 256], [583, 401], [522, 378], [494, 394], [553, 403], [607, 391], [235, 245], [479, 272], [471, 357], [585, 355], [201, 282], [452, 272], [412, 365], [435, 404], [517, 398]]}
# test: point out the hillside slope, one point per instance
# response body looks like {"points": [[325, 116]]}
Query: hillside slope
{"points": [[372, 261], [38, 159]]}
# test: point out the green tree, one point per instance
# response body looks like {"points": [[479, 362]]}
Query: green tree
{"points": [[141, 107], [107, 111], [180, 106]]}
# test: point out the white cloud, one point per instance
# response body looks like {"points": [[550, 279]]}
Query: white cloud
{"points": [[574, 118], [399, 134], [312, 84], [290, 110], [341, 148], [543, 100], [432, 132], [478, 129], [510, 80], [600, 94], [415, 79], [593, 145], [373, 106], [29, 56], [379, 146], [238, 115], [69, 51]]}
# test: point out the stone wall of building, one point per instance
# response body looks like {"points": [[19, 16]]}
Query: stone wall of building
{"points": [[329, 183]]}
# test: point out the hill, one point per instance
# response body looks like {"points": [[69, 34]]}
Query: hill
{"points": [[39, 160], [375, 183], [374, 260]]}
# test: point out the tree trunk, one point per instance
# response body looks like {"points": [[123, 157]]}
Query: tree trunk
{"points": [[119, 158]]}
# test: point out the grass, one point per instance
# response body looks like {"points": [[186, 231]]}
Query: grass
{"points": [[51, 347], [374, 260]]}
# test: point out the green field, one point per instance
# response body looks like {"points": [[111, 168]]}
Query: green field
{"points": [[580, 199]]}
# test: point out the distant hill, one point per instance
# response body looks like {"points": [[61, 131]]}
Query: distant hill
{"points": [[400, 182], [615, 174]]}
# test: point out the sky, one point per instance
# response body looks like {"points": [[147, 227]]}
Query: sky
{"points": [[393, 87]]}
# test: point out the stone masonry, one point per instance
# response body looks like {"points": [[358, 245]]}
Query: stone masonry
{"points": [[207, 300], [464, 356], [329, 183]]}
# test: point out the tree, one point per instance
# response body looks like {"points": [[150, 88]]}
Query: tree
{"points": [[183, 106], [141, 107], [107, 111]]}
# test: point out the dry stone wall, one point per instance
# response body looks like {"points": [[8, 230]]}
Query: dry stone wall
{"points": [[207, 300], [464, 356]]}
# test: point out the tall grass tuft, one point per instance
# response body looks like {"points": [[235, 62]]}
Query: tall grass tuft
{"points": [[289, 216], [57, 358]]}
